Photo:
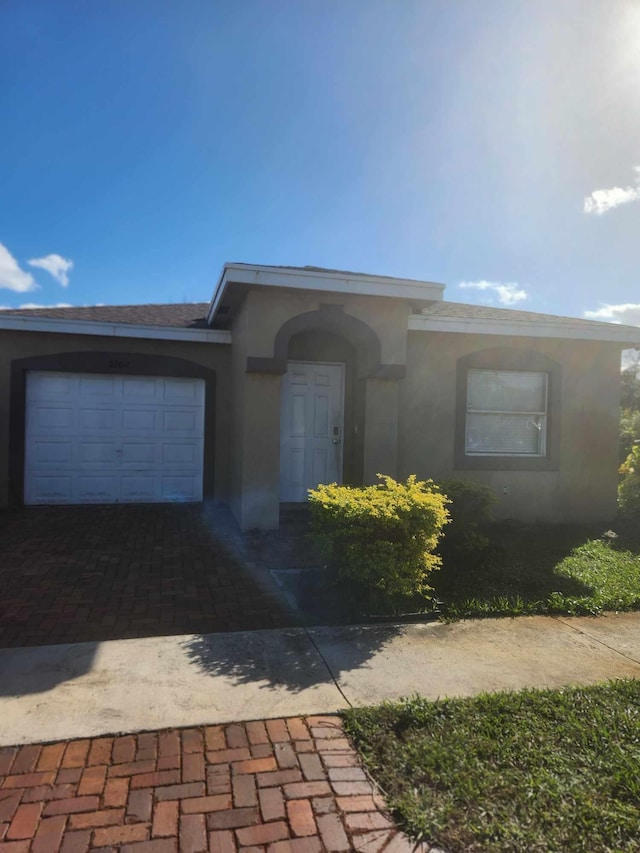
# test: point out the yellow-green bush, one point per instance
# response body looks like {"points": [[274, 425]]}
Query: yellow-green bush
{"points": [[629, 488], [378, 540]]}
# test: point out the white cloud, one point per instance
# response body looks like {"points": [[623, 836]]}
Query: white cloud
{"points": [[601, 201], [55, 265], [508, 294], [38, 305], [11, 276], [626, 312]]}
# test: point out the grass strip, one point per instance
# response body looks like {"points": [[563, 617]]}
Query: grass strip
{"points": [[550, 770], [543, 569]]}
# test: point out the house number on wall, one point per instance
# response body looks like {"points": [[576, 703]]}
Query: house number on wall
{"points": [[118, 364]]}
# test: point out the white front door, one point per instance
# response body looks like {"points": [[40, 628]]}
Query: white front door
{"points": [[94, 438], [311, 426]]}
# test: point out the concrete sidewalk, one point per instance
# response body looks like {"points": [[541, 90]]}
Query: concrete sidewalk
{"points": [[88, 689]]}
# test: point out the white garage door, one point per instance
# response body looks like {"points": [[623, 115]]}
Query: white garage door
{"points": [[113, 439]]}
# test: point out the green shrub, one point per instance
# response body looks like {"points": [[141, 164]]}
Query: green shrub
{"points": [[629, 487], [378, 541], [470, 509], [629, 431]]}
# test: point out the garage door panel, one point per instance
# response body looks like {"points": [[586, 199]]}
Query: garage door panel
{"points": [[54, 489], [52, 453], [179, 488], [141, 388], [98, 386], [58, 387], [136, 420], [120, 438], [175, 420], [98, 453], [96, 419], [97, 488], [46, 418], [139, 487], [181, 454], [139, 453], [183, 391]]}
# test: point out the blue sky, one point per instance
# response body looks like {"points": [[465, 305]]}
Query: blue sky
{"points": [[496, 144]]}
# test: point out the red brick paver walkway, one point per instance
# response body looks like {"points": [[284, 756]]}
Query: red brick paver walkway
{"points": [[273, 786]]}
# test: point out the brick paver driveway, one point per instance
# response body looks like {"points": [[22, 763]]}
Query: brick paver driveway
{"points": [[70, 574], [280, 786]]}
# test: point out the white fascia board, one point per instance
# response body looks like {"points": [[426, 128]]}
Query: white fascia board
{"points": [[218, 293], [607, 332], [55, 325], [332, 282]]}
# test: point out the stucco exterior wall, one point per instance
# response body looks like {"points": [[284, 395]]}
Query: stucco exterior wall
{"points": [[237, 408], [269, 311], [255, 432], [400, 425], [583, 486], [215, 357]]}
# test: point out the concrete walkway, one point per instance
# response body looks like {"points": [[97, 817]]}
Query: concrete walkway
{"points": [[90, 689]]}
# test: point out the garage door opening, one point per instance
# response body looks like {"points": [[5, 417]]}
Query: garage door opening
{"points": [[94, 438]]}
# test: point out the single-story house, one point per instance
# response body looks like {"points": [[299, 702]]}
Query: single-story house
{"points": [[292, 377]]}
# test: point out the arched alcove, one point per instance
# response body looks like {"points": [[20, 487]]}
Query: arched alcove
{"points": [[331, 321]]}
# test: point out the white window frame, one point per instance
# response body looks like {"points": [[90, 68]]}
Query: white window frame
{"points": [[542, 415]]}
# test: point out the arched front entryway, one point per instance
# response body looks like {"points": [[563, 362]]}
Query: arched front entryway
{"points": [[319, 416], [328, 355], [326, 348]]}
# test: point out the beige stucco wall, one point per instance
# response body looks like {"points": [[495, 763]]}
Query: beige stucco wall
{"points": [[409, 424], [217, 357], [268, 310], [405, 425], [584, 486], [255, 435]]}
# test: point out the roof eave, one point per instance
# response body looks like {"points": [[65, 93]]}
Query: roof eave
{"points": [[249, 275], [625, 336], [55, 325]]}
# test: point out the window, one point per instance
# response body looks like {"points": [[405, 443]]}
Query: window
{"points": [[506, 413]]}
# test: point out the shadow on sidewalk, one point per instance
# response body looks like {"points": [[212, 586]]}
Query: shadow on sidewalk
{"points": [[39, 669], [290, 659]]}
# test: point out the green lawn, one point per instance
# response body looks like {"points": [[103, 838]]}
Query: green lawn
{"points": [[555, 770], [544, 569]]}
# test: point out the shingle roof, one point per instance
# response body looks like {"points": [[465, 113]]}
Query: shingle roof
{"points": [[190, 315], [463, 311]]}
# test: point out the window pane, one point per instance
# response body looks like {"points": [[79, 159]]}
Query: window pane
{"points": [[509, 434], [506, 391]]}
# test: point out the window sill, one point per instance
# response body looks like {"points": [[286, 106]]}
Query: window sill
{"points": [[463, 462]]}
